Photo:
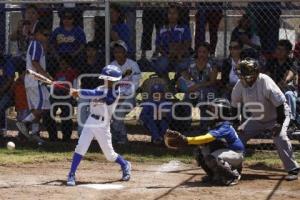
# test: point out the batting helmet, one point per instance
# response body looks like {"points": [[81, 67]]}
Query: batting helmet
{"points": [[111, 73], [247, 68]]}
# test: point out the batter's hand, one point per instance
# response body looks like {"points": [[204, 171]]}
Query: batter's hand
{"points": [[74, 92]]}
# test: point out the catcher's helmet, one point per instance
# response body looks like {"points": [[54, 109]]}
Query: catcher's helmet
{"points": [[223, 108], [111, 73], [247, 68]]}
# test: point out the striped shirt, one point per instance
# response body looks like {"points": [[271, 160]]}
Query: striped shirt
{"points": [[36, 53]]}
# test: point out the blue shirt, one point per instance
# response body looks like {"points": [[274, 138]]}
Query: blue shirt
{"points": [[224, 131], [124, 34], [178, 34], [7, 70], [149, 106], [68, 41]]}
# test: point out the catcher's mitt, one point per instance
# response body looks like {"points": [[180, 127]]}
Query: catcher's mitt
{"points": [[174, 139]]}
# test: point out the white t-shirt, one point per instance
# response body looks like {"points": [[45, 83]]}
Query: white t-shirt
{"points": [[264, 91], [134, 78], [36, 53]]}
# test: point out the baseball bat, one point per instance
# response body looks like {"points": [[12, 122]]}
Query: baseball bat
{"points": [[39, 77], [45, 80]]}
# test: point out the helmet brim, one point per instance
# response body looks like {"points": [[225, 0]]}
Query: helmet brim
{"points": [[109, 78]]}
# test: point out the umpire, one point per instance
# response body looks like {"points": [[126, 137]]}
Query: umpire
{"points": [[259, 89]]}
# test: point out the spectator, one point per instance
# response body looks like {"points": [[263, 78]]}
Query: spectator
{"points": [[153, 16], [283, 71], [200, 81], [211, 14], [68, 38], [266, 17], [132, 74], [65, 76], [24, 33], [156, 121], [7, 74], [37, 95], [89, 73], [228, 70], [119, 29], [20, 98], [296, 53], [244, 34], [173, 43], [45, 12], [129, 11]]}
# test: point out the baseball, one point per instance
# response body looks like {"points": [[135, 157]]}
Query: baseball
{"points": [[11, 146]]}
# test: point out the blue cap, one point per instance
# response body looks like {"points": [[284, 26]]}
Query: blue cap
{"points": [[157, 88], [111, 73]]}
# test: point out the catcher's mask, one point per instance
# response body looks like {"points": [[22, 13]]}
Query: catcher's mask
{"points": [[247, 71], [221, 108]]}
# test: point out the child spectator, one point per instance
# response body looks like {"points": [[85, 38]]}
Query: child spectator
{"points": [[37, 94], [244, 34], [119, 29], [173, 43], [68, 38], [66, 75], [131, 74], [154, 115], [20, 98]]}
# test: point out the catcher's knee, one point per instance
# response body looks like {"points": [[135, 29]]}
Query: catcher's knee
{"points": [[211, 161]]}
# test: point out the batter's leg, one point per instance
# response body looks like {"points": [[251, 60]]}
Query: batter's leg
{"points": [[83, 144], [103, 137]]}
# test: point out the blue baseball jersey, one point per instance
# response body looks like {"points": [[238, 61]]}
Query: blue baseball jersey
{"points": [[7, 70], [224, 131], [68, 41], [178, 34]]}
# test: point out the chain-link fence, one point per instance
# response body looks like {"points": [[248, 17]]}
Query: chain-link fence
{"points": [[176, 55]]}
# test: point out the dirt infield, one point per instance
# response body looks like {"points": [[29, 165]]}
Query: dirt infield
{"points": [[173, 180]]}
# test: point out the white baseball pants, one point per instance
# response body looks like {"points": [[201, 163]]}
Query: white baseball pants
{"points": [[94, 128]]}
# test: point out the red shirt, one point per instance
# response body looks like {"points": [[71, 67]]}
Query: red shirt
{"points": [[68, 75]]}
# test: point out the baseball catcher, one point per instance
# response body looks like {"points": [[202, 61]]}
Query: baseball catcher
{"points": [[221, 151]]}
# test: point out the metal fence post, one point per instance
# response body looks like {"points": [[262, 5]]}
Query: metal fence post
{"points": [[107, 32]]}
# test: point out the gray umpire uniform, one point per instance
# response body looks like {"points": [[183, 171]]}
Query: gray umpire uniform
{"points": [[268, 94]]}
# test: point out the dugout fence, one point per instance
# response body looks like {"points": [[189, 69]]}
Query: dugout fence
{"points": [[258, 25]]}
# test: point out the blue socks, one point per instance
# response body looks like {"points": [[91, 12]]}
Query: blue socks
{"points": [[121, 161], [75, 162]]}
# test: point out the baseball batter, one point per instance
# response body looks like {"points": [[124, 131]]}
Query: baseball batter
{"points": [[104, 100], [255, 87]]}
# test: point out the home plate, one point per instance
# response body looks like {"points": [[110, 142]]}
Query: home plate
{"points": [[103, 186]]}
